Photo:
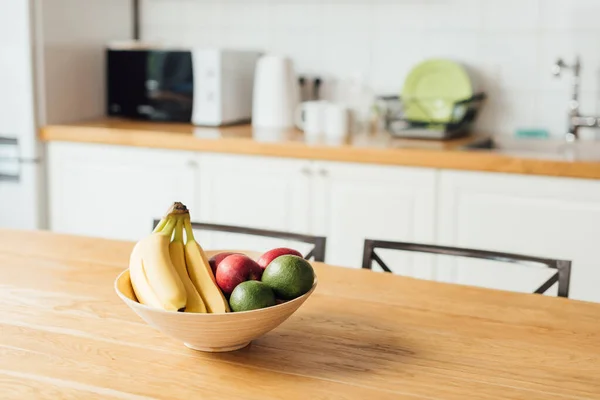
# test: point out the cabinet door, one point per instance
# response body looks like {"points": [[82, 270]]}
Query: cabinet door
{"points": [[115, 192], [256, 192], [539, 216], [354, 201]]}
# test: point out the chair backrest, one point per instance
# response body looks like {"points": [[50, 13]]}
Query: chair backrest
{"points": [[562, 267], [317, 253]]}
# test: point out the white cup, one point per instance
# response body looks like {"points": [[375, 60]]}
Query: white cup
{"points": [[310, 117], [337, 121]]}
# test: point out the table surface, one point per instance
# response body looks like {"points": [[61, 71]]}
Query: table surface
{"points": [[64, 333]]}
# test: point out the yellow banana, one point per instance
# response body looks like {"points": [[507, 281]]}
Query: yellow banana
{"points": [[151, 259], [201, 274], [141, 287], [194, 302]]}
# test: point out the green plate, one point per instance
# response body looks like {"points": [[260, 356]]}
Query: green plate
{"points": [[431, 89]]}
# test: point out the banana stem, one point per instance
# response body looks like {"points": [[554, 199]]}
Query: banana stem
{"points": [[178, 237], [189, 232], [176, 209], [169, 227]]}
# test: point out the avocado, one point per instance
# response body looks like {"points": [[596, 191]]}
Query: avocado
{"points": [[289, 276], [251, 295]]}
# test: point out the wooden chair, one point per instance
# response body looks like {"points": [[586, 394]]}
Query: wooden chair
{"points": [[317, 253], [562, 267]]}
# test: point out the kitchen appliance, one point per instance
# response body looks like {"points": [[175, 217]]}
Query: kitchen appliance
{"points": [[276, 93], [43, 82], [209, 87]]}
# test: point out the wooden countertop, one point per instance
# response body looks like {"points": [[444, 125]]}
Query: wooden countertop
{"points": [[378, 149], [64, 333]]}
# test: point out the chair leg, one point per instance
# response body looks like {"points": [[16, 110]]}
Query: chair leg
{"points": [[318, 251], [379, 261], [310, 254], [548, 284], [367, 262], [564, 277]]}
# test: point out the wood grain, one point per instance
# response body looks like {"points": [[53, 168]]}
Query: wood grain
{"points": [[64, 333], [378, 149]]}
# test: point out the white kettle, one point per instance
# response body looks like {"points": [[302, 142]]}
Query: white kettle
{"points": [[276, 93]]}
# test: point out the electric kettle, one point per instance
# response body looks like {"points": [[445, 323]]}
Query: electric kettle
{"points": [[276, 93]]}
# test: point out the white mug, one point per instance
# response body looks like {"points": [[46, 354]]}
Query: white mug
{"points": [[310, 117], [337, 121]]}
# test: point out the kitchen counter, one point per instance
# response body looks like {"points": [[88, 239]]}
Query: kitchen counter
{"points": [[363, 335], [373, 149]]}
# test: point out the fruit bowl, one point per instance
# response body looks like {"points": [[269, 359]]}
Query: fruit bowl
{"points": [[211, 332]]}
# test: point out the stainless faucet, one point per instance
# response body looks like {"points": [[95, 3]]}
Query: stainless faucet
{"points": [[576, 121]]}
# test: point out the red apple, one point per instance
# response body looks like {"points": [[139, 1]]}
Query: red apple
{"points": [[270, 255], [235, 269], [215, 260]]}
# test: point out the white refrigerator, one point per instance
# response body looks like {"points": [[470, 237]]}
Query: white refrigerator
{"points": [[51, 71]]}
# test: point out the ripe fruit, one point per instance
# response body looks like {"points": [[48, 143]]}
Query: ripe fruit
{"points": [[201, 274], [153, 276], [289, 276], [251, 295], [139, 282], [235, 269], [270, 255], [215, 260], [177, 251]]}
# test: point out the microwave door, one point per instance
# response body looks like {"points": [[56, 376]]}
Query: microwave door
{"points": [[169, 86]]}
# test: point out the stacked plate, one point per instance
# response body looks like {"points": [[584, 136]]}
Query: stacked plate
{"points": [[432, 90]]}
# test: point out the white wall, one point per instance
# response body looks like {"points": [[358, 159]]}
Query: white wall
{"points": [[511, 43], [74, 34]]}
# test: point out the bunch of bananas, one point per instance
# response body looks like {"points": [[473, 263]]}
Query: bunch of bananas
{"points": [[171, 274]]}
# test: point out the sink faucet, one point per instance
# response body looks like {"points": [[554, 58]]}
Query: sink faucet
{"points": [[576, 120]]}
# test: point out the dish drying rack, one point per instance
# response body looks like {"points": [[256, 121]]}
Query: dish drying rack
{"points": [[464, 112]]}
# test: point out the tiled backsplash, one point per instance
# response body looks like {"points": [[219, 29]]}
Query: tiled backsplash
{"points": [[511, 44]]}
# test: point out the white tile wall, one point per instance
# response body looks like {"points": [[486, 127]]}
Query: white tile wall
{"points": [[510, 44]]}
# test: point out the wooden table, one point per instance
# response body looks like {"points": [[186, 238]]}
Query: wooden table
{"points": [[64, 333]]}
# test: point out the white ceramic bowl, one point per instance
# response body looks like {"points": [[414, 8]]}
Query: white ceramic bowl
{"points": [[211, 332]]}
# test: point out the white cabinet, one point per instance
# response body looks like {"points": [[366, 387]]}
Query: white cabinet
{"points": [[115, 192], [257, 192], [352, 202], [540, 216]]}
